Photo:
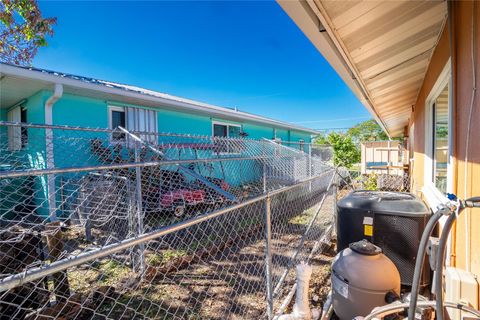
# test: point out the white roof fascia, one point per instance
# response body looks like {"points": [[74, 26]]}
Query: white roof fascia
{"points": [[162, 99]]}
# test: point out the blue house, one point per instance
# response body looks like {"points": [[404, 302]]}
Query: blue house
{"points": [[86, 102], [52, 98]]}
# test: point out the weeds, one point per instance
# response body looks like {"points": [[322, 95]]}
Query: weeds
{"points": [[159, 259], [370, 182]]}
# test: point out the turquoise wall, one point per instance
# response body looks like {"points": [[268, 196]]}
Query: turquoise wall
{"points": [[73, 148], [30, 157], [296, 136], [80, 111], [283, 134], [76, 110], [257, 132], [178, 122], [36, 150]]}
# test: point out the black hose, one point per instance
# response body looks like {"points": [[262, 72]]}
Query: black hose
{"points": [[442, 245], [472, 202], [438, 279], [396, 307], [432, 222], [442, 248]]}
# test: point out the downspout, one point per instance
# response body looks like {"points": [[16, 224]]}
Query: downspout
{"points": [[52, 207]]}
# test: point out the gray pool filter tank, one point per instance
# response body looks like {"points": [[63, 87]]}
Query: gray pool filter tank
{"points": [[363, 278]]}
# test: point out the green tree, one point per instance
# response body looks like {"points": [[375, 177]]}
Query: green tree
{"points": [[345, 151], [368, 130], [22, 31]]}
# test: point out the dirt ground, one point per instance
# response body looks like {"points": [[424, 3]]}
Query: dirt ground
{"points": [[228, 284]]}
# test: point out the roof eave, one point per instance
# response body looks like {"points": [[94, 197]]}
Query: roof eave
{"points": [[320, 35], [185, 104]]}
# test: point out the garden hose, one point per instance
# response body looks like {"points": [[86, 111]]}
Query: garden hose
{"points": [[438, 278]]}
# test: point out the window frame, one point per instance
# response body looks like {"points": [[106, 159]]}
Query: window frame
{"points": [[301, 145], [227, 125], [24, 130], [111, 109], [433, 195], [19, 134]]}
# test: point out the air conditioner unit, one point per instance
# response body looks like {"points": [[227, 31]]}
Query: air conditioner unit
{"points": [[394, 221]]}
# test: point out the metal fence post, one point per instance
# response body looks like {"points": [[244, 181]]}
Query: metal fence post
{"points": [[84, 216], [264, 177], [309, 166], [334, 200], [55, 249], [139, 264], [264, 161], [268, 257]]}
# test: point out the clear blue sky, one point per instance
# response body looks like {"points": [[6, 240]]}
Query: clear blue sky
{"points": [[248, 55]]}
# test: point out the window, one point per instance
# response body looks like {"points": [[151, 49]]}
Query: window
{"points": [[137, 120], [220, 130], [234, 131], [24, 133], [226, 130], [17, 136], [438, 141], [301, 144], [143, 121], [275, 137], [117, 119]]}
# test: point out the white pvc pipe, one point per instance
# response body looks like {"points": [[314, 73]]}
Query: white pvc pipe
{"points": [[327, 307], [301, 308], [57, 94]]}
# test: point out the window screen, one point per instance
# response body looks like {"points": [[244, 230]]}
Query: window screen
{"points": [[118, 120], [233, 132], [220, 130]]}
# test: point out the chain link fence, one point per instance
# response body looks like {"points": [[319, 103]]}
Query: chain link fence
{"points": [[112, 224], [378, 181], [323, 153]]}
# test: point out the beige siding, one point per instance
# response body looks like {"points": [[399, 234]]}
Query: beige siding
{"points": [[468, 223]]}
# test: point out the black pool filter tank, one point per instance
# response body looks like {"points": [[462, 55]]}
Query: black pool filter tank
{"points": [[394, 221]]}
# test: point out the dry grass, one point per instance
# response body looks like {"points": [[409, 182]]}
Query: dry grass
{"points": [[225, 284]]}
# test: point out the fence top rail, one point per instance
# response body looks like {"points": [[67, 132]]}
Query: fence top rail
{"points": [[303, 143], [156, 134], [40, 172], [107, 130]]}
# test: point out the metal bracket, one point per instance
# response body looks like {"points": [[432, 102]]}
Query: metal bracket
{"points": [[432, 251]]}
